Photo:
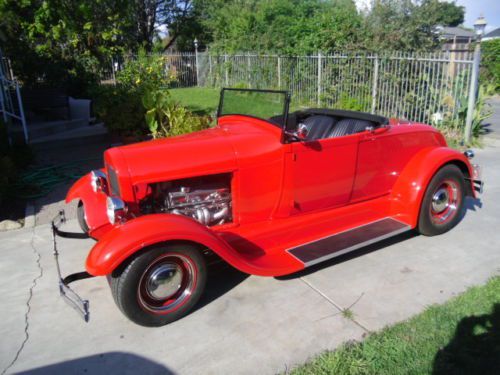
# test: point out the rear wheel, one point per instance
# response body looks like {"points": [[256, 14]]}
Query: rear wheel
{"points": [[160, 285], [80, 214], [443, 202]]}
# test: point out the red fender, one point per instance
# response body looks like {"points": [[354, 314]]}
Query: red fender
{"points": [[409, 189], [122, 241], [94, 203]]}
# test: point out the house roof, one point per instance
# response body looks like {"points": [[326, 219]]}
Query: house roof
{"points": [[449, 32], [493, 34]]}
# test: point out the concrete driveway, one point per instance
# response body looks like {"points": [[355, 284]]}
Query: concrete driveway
{"points": [[244, 325]]}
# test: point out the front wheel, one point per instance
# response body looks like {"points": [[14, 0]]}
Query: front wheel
{"points": [[160, 285], [443, 202]]}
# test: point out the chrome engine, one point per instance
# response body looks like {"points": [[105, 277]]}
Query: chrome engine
{"points": [[206, 199], [209, 207]]}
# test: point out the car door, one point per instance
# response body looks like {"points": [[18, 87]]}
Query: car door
{"points": [[376, 154], [323, 172]]}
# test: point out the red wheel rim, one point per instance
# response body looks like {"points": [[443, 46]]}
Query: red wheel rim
{"points": [[167, 283], [445, 202]]}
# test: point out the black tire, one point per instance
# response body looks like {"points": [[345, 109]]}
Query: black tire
{"points": [[133, 284], [443, 202], [80, 214]]}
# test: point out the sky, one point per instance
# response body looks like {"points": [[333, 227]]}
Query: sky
{"points": [[490, 9]]}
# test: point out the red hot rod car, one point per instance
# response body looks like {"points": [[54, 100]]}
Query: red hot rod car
{"points": [[267, 191]]}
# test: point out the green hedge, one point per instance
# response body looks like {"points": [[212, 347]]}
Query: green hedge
{"points": [[490, 63]]}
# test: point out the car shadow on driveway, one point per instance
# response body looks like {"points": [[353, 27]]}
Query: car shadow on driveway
{"points": [[472, 204], [221, 279], [104, 363]]}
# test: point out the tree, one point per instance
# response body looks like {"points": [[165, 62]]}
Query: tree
{"points": [[282, 26], [402, 25], [64, 42], [444, 13], [151, 15]]}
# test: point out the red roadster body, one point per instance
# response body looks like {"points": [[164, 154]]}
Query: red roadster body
{"points": [[267, 199]]}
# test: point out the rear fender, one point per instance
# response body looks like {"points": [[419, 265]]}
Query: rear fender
{"points": [[409, 189], [94, 203], [125, 240]]}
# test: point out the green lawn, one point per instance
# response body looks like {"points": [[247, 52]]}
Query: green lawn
{"points": [[200, 100], [204, 101], [460, 337]]}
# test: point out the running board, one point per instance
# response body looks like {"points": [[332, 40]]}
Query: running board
{"points": [[340, 243]]}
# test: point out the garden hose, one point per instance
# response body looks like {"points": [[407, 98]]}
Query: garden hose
{"points": [[38, 182]]}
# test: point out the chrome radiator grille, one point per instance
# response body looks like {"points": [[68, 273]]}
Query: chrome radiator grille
{"points": [[114, 186]]}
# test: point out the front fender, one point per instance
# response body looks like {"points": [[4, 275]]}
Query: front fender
{"points": [[409, 189], [94, 204], [123, 241]]}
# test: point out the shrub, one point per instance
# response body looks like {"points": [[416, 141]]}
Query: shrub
{"points": [[490, 63], [120, 106], [166, 118], [145, 72], [482, 111], [353, 104], [120, 109], [453, 129]]}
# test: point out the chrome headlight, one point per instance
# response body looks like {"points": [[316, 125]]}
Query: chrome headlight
{"points": [[98, 180], [116, 210]]}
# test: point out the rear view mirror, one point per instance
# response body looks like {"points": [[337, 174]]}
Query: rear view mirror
{"points": [[302, 132], [298, 135]]}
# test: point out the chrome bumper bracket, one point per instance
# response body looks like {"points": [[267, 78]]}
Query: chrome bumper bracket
{"points": [[70, 296]]}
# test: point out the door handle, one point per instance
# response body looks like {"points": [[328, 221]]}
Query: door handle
{"points": [[380, 129]]}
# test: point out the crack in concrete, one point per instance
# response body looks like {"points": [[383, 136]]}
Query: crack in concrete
{"points": [[332, 302], [28, 303]]}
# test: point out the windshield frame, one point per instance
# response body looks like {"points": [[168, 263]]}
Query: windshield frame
{"points": [[286, 105]]}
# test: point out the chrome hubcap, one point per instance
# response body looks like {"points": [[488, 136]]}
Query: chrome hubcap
{"points": [[445, 202], [167, 283], [440, 200], [164, 281]]}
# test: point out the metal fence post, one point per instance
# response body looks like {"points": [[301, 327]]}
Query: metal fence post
{"points": [[248, 71], [279, 72], [319, 78], [197, 66], [225, 68], [2, 100], [474, 82], [374, 84], [209, 66], [21, 113]]}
